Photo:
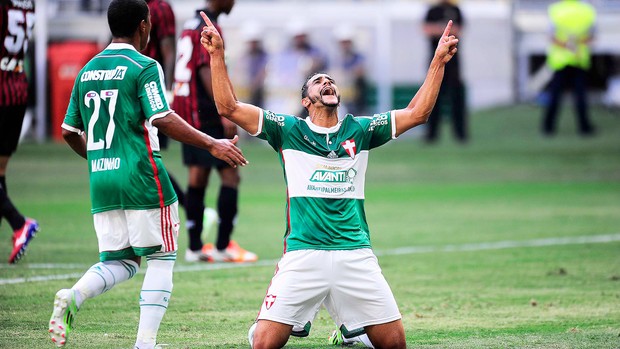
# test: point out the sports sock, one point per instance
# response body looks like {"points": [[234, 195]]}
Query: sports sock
{"points": [[194, 209], [227, 210], [7, 210], [154, 297], [365, 340], [102, 276]]}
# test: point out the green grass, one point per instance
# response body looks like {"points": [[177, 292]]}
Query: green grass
{"points": [[508, 184]]}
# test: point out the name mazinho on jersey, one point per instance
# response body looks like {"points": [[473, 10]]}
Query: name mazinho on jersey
{"points": [[112, 74], [105, 164]]}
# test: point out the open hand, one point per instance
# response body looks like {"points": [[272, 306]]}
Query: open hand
{"points": [[225, 149]]}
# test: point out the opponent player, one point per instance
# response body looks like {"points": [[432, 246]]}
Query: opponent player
{"points": [[16, 30], [193, 99], [117, 100], [327, 253]]}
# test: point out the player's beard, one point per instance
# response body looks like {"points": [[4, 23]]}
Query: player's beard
{"points": [[322, 100]]}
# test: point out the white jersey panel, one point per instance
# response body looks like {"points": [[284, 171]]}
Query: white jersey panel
{"points": [[315, 176]]}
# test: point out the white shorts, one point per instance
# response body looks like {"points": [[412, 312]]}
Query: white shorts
{"points": [[124, 234], [349, 283]]}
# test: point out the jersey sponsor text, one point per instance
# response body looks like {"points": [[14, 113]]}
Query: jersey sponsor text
{"points": [[112, 74], [152, 92]]}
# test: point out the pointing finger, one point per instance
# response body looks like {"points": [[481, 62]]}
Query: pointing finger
{"points": [[446, 31], [206, 19]]}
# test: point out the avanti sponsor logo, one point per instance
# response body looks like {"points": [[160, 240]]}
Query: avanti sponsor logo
{"points": [[325, 176]]}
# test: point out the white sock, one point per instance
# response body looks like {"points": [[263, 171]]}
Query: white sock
{"points": [[101, 277], [154, 297], [361, 339], [364, 339]]}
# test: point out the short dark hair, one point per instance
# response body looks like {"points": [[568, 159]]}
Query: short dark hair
{"points": [[304, 87], [124, 16]]}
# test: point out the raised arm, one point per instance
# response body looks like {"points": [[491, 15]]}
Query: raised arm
{"points": [[243, 114], [421, 105]]}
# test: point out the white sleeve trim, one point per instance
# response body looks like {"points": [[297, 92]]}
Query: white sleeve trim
{"points": [[393, 121], [260, 123], [160, 115], [72, 129]]}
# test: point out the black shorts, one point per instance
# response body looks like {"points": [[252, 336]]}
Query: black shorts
{"points": [[201, 157], [11, 120], [163, 140]]}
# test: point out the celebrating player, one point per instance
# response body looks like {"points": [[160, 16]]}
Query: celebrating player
{"points": [[117, 100], [328, 256]]}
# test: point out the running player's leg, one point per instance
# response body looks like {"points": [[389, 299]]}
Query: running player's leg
{"points": [[194, 209], [154, 297], [118, 263], [24, 229], [227, 204], [150, 229]]}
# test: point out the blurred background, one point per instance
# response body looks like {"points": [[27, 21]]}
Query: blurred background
{"points": [[502, 49]]}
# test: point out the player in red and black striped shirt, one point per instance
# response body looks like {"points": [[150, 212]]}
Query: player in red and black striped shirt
{"points": [[16, 30], [161, 45], [193, 99]]}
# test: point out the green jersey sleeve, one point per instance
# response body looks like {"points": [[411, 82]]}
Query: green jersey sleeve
{"points": [[379, 129], [273, 127], [151, 92], [73, 117]]}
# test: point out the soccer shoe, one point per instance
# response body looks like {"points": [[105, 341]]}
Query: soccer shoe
{"points": [[233, 253], [195, 256], [336, 338], [21, 239], [62, 316]]}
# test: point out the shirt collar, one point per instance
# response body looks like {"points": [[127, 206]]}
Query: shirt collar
{"points": [[120, 46]]}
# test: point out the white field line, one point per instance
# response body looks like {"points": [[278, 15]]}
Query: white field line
{"points": [[574, 240]]}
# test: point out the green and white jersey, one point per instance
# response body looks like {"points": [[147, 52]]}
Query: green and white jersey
{"points": [[115, 98], [325, 172]]}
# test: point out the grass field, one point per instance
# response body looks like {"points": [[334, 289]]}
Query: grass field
{"points": [[512, 241]]}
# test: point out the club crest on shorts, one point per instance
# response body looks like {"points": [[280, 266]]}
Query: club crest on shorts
{"points": [[349, 147], [269, 300]]}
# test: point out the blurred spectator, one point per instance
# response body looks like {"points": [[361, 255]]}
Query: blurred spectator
{"points": [[254, 64], [292, 67], [572, 23], [350, 72], [452, 89]]}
